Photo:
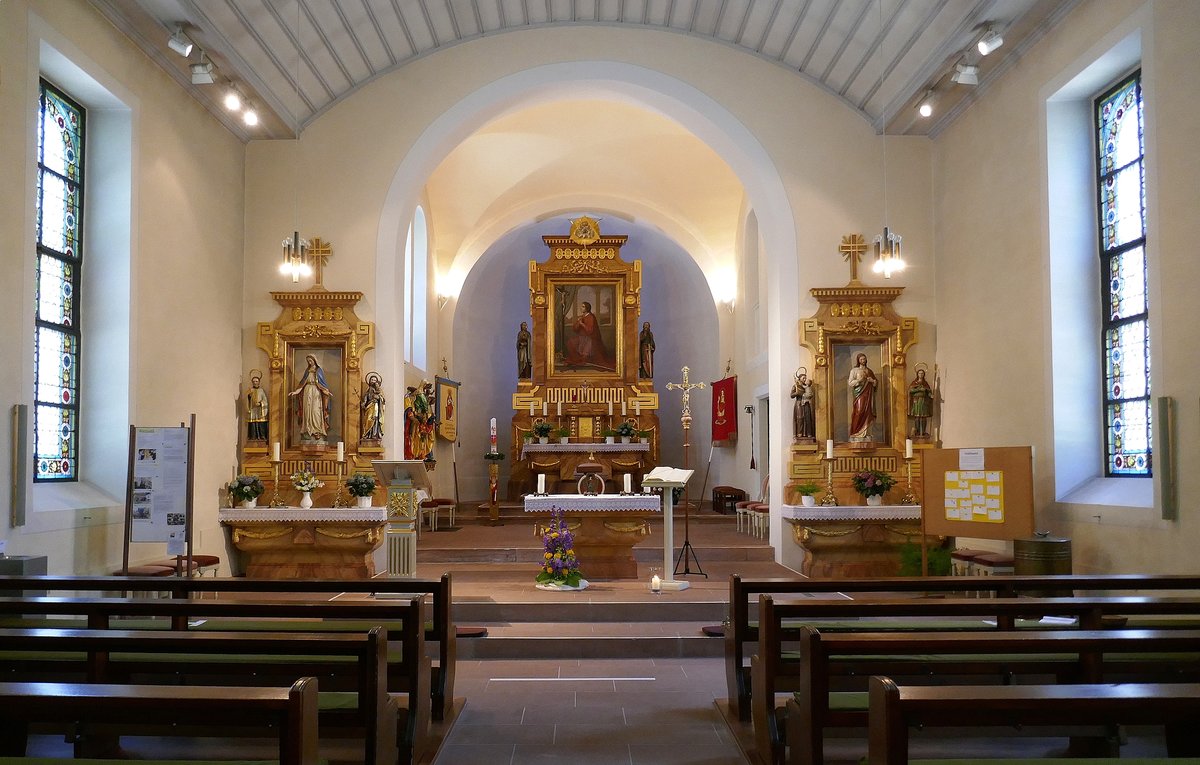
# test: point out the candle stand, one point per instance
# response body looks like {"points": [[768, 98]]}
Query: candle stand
{"points": [[338, 499], [909, 498], [276, 500], [829, 500]]}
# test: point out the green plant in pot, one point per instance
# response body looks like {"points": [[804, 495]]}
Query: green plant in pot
{"points": [[936, 558], [361, 486], [608, 434], [563, 434], [806, 492], [626, 430], [542, 429]]}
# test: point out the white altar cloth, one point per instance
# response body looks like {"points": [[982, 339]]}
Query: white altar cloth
{"points": [[299, 514], [535, 448], [853, 513], [600, 503]]}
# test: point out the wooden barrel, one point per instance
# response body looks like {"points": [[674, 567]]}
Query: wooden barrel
{"points": [[1041, 555]]}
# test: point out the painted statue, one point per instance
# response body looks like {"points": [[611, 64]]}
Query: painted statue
{"points": [[419, 422], [257, 409], [312, 400], [524, 352], [804, 421], [863, 384], [920, 405], [372, 408], [646, 352]]}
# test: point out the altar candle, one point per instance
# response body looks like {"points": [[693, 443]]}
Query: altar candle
{"points": [[908, 448], [637, 408], [624, 409], [531, 408], [275, 451], [541, 483], [655, 583], [829, 449], [628, 484], [545, 408], [610, 409], [341, 451], [559, 412]]}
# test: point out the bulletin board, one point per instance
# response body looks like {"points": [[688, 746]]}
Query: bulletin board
{"points": [[986, 493], [158, 504]]}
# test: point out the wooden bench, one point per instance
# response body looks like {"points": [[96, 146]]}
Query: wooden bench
{"points": [[290, 712], [894, 709], [971, 619], [440, 630], [208, 658], [744, 594], [407, 667]]}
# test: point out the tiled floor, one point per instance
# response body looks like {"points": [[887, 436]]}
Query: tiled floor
{"points": [[614, 711]]}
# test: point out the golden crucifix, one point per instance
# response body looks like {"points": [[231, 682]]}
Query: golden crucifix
{"points": [[852, 248], [686, 387]]}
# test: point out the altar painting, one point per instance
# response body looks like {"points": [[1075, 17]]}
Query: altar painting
{"points": [[317, 402], [841, 398], [585, 324]]}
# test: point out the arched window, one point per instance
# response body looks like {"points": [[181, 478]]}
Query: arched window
{"points": [[59, 206], [416, 279], [1125, 332]]}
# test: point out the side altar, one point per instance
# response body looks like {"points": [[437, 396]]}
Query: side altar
{"points": [[850, 542], [585, 365], [299, 543], [606, 527]]}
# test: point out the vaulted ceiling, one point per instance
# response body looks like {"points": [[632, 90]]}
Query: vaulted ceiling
{"points": [[298, 58]]}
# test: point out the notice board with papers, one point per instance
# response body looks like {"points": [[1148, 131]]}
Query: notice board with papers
{"points": [[985, 493]]}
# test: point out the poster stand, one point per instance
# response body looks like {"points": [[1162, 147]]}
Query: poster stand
{"points": [[158, 491]]}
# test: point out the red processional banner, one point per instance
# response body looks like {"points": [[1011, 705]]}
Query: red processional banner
{"points": [[724, 409]]}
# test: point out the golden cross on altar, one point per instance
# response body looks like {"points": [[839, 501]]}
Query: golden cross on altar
{"points": [[686, 387], [319, 253], [852, 248]]}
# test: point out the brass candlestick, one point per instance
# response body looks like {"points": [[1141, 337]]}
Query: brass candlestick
{"points": [[276, 500], [338, 499], [829, 500], [909, 498]]}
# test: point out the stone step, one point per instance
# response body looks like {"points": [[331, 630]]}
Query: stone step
{"points": [[661, 612], [605, 640]]}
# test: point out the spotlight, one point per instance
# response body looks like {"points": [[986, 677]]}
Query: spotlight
{"points": [[965, 74], [180, 43], [250, 117], [925, 106], [990, 41], [202, 71], [233, 99]]}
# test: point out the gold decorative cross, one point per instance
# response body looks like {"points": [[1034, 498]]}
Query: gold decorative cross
{"points": [[852, 248], [319, 252], [686, 387]]}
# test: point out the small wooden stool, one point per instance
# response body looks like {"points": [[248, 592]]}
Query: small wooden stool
{"points": [[725, 499]]}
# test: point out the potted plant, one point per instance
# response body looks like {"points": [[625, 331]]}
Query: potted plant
{"points": [[609, 435], [543, 430], [806, 492], [563, 435], [246, 489], [306, 482], [873, 484], [626, 431], [644, 435], [362, 486]]}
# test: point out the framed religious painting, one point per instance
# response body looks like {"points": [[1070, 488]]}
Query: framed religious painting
{"points": [[446, 393], [860, 394], [585, 328], [314, 395]]}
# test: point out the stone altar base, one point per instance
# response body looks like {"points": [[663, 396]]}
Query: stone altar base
{"points": [[850, 541], [319, 543], [604, 543]]}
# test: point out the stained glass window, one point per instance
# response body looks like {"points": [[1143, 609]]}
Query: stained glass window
{"points": [[59, 256], [1121, 182]]}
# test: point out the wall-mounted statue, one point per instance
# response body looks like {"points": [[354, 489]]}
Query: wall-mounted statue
{"points": [[920, 404], [524, 352], [372, 407], [863, 384], [646, 352], [257, 409], [804, 421]]}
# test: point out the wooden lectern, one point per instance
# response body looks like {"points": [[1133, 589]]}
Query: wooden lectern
{"points": [[407, 483]]}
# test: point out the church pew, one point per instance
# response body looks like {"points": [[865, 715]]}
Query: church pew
{"points": [[217, 658], [290, 712], [407, 666], [1088, 656], [744, 593], [894, 709], [440, 631]]}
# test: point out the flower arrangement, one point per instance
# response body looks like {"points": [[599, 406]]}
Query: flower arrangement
{"points": [[872, 483], [559, 564], [306, 480], [245, 488], [626, 429], [542, 429], [361, 485]]}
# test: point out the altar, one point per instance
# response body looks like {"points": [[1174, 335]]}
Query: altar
{"points": [[846, 542], [313, 543], [606, 527]]}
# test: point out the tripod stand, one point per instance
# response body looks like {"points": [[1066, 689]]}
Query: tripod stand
{"points": [[687, 552]]}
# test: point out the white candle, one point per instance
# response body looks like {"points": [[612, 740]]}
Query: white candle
{"points": [[937, 435], [531, 408], [559, 412], [341, 451], [541, 483], [655, 583], [628, 483], [637, 408], [545, 408], [624, 411], [908, 448], [610, 409], [829, 449], [275, 451]]}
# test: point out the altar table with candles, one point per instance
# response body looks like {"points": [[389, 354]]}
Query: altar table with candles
{"points": [[606, 527], [298, 543]]}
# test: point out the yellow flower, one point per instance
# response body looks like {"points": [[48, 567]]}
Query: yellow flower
{"points": [[571, 551], [548, 556]]}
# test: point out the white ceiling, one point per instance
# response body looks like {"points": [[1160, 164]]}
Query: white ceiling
{"points": [[297, 58]]}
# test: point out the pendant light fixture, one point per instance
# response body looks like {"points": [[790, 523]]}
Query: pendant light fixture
{"points": [[295, 250], [888, 257]]}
